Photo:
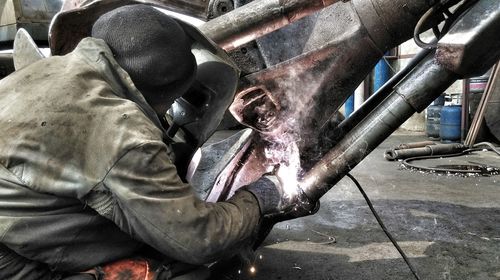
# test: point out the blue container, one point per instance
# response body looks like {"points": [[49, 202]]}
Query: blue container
{"points": [[349, 106], [451, 119], [382, 74]]}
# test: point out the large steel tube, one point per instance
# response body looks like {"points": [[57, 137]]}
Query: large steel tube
{"points": [[311, 87], [381, 94], [469, 48], [258, 18], [413, 94]]}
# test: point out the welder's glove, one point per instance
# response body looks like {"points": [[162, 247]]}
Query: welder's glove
{"points": [[276, 204]]}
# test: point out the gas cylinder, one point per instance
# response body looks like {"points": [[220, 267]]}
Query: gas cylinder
{"points": [[451, 119], [433, 118]]}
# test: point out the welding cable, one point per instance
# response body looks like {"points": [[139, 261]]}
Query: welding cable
{"points": [[407, 163], [418, 29], [382, 225], [440, 8], [489, 145], [475, 148], [451, 18]]}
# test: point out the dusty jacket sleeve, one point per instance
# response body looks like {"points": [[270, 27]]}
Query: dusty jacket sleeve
{"points": [[153, 205]]}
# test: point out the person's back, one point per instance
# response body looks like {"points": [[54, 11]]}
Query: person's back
{"points": [[85, 176], [63, 128]]}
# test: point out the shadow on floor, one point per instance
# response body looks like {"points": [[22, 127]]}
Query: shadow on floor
{"points": [[444, 241]]}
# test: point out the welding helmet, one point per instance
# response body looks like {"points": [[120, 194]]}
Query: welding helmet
{"points": [[199, 111]]}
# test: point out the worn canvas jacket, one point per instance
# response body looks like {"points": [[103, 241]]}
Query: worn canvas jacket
{"points": [[85, 177]]}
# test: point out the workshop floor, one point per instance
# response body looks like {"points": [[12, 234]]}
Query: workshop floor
{"points": [[449, 226]]}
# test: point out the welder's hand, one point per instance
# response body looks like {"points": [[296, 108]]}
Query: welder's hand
{"points": [[269, 194], [268, 221], [276, 204]]}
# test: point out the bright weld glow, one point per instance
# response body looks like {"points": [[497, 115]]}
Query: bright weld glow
{"points": [[253, 270], [288, 177], [286, 154]]}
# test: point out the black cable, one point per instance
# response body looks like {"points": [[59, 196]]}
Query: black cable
{"points": [[406, 163], [474, 148], [440, 8], [387, 233], [489, 145], [418, 29]]}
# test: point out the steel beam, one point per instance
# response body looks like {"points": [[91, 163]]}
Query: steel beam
{"points": [[413, 94], [258, 18]]}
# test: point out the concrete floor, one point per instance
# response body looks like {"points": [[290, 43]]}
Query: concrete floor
{"points": [[449, 226]]}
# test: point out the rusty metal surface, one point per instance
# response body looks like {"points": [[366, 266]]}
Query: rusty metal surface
{"points": [[195, 8], [217, 8], [311, 87], [379, 96], [305, 91], [248, 58], [413, 94], [318, 29], [385, 119], [461, 49], [278, 46], [291, 102], [258, 18], [388, 21]]}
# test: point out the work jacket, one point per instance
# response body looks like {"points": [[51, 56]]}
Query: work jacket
{"points": [[85, 177]]}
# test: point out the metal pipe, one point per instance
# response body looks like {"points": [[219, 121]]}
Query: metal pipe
{"points": [[414, 93], [430, 150], [414, 145], [370, 104], [258, 18]]}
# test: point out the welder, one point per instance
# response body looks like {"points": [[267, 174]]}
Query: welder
{"points": [[88, 189]]}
